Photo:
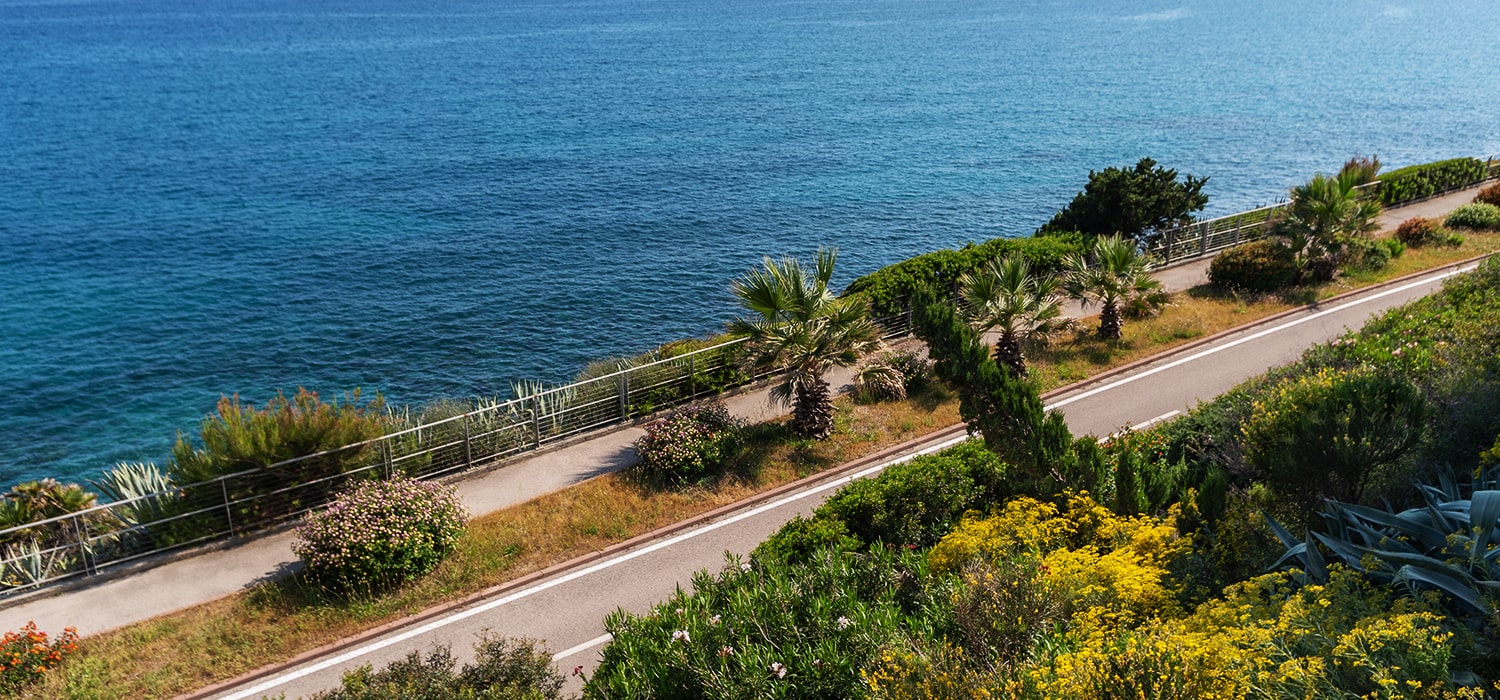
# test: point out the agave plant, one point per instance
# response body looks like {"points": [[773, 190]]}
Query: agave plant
{"points": [[548, 403], [146, 492], [1450, 543]]}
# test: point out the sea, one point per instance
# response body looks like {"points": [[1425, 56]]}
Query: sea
{"points": [[206, 198]]}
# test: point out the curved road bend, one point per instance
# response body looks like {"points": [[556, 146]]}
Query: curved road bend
{"points": [[567, 610]]}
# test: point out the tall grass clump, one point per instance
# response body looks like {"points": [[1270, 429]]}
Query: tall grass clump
{"points": [[380, 534], [238, 437]]}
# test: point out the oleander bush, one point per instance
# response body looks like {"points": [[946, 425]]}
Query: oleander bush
{"points": [[771, 629], [28, 654], [1418, 181], [1489, 195], [379, 534], [502, 669], [1477, 216], [1259, 266], [915, 368], [689, 444], [1421, 231]]}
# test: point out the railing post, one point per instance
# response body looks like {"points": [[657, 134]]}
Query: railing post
{"points": [[624, 395], [1203, 240], [83, 545], [1171, 234], [692, 377], [468, 450], [385, 449], [228, 512], [536, 421]]}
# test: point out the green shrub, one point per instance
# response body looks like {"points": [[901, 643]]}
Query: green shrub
{"points": [[1330, 433], [1372, 253], [771, 629], [379, 534], [1479, 217], [800, 538], [689, 444], [1489, 195], [502, 670], [889, 288], [1418, 181], [1260, 266], [914, 503]]}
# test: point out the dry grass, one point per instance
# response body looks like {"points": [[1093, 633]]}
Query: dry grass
{"points": [[223, 639]]}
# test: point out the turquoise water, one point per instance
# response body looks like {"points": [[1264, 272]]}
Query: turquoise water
{"points": [[431, 199]]}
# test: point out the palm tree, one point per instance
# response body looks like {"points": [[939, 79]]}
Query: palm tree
{"points": [[1005, 296], [799, 324], [1118, 278], [1324, 215]]}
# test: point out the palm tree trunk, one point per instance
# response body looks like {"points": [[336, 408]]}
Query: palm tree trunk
{"points": [[1008, 353], [812, 414], [1109, 322]]}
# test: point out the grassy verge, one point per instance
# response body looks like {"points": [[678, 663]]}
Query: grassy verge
{"points": [[1204, 310], [194, 648]]}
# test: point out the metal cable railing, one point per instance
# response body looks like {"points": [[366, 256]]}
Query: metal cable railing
{"points": [[113, 534], [1202, 238]]}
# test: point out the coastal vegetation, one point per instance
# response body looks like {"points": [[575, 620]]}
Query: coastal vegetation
{"points": [[195, 647], [1428, 179], [925, 582], [297, 616]]}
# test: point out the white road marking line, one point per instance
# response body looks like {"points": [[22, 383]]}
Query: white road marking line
{"points": [[1154, 421], [1255, 336], [269, 684], [596, 641], [1141, 426], [265, 686]]}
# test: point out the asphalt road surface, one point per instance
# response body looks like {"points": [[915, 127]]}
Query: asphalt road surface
{"points": [[567, 611]]}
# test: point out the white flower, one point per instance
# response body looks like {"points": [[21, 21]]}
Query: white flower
{"points": [[714, 620], [745, 567], [844, 623], [679, 612], [778, 669], [681, 636], [726, 651]]}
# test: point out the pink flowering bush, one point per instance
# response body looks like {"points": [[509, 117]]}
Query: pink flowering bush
{"points": [[689, 443], [380, 534]]}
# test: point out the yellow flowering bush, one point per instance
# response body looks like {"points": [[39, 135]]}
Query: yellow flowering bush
{"points": [[1088, 557], [1074, 601]]}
